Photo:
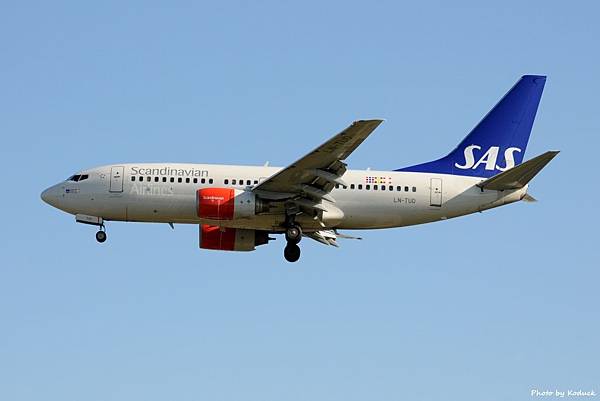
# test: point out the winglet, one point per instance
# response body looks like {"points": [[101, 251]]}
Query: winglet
{"points": [[519, 176]]}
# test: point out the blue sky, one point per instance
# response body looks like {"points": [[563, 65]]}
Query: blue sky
{"points": [[487, 306]]}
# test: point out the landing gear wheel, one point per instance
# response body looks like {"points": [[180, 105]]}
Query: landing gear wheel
{"points": [[101, 236], [291, 252], [293, 234]]}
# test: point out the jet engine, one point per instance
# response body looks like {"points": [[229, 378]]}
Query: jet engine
{"points": [[227, 204], [231, 239]]}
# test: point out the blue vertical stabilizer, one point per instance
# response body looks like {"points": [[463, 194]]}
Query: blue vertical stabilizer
{"points": [[499, 141]]}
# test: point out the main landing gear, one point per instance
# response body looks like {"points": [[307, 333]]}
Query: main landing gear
{"points": [[293, 235], [291, 252]]}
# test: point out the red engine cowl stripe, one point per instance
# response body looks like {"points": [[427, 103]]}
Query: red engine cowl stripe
{"points": [[216, 203]]}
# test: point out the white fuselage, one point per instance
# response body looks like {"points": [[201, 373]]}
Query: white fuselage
{"points": [[167, 192]]}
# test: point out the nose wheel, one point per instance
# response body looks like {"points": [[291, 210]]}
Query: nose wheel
{"points": [[101, 235]]}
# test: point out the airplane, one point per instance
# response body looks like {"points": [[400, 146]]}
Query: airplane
{"points": [[238, 208]]}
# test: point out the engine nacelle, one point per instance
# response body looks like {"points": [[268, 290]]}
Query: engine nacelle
{"points": [[227, 204], [231, 239]]}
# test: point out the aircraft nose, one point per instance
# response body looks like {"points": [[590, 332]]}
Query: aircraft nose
{"points": [[49, 196]]}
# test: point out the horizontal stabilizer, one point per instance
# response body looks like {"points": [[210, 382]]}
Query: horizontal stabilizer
{"points": [[519, 176]]}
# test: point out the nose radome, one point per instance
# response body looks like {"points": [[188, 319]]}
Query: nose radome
{"points": [[49, 196]]}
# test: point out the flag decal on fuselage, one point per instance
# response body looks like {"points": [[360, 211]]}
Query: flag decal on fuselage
{"points": [[378, 180]]}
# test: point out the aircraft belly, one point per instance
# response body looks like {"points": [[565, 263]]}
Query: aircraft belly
{"points": [[274, 223]]}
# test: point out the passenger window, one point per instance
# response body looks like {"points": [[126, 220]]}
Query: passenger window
{"points": [[383, 187], [248, 182], [202, 180], [148, 178], [195, 180], [164, 179], [255, 182], [179, 180], [405, 189], [375, 187], [155, 179], [187, 180], [132, 178], [359, 186], [414, 189], [210, 180], [351, 186], [141, 178], [367, 187], [241, 182], [226, 181], [233, 182], [398, 188], [172, 179], [391, 188], [337, 185]]}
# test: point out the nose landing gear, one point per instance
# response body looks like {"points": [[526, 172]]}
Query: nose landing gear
{"points": [[93, 221], [101, 235]]}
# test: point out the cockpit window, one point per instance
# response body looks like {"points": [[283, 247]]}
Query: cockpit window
{"points": [[78, 177]]}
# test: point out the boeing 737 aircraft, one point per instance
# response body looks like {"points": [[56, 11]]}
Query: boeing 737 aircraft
{"points": [[237, 208]]}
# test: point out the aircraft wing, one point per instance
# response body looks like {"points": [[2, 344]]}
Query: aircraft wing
{"points": [[315, 175]]}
